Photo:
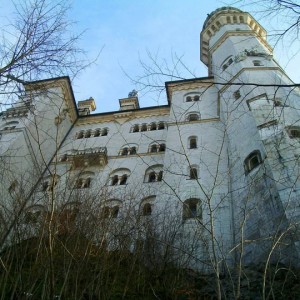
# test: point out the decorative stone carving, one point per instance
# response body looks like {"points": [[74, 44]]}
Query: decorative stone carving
{"points": [[133, 93], [251, 52]]}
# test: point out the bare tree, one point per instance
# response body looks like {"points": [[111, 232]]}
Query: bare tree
{"points": [[38, 43]]}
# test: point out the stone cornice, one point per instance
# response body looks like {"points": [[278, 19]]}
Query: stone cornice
{"points": [[124, 116], [194, 122]]}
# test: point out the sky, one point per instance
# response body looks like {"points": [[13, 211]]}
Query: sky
{"points": [[120, 33]]}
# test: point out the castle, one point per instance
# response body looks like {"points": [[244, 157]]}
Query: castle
{"points": [[217, 168]]}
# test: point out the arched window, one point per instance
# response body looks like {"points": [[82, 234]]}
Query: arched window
{"points": [[252, 161], [193, 172], [119, 176], [104, 132], [84, 181], [153, 126], [294, 132], [191, 209], [63, 158], [97, 133], [193, 142], [114, 180], [161, 125], [88, 134], [153, 148], [123, 179], [33, 214], [111, 209], [196, 98], [193, 117], [146, 207], [105, 212], [152, 177], [144, 127], [124, 151], [129, 149], [49, 183], [115, 211], [162, 147], [80, 135], [154, 173], [135, 128], [132, 150]]}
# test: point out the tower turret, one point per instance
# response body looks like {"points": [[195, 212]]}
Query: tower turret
{"points": [[230, 36]]}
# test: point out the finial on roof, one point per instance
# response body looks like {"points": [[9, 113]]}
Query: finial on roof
{"points": [[133, 93]]}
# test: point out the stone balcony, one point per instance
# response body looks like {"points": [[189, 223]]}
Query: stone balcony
{"points": [[85, 158]]}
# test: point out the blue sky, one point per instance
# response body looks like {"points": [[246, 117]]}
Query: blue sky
{"points": [[123, 30]]}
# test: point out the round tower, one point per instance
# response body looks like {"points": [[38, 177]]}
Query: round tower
{"points": [[232, 38], [259, 113]]}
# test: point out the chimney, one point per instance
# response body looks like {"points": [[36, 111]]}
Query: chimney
{"points": [[132, 102], [85, 107]]}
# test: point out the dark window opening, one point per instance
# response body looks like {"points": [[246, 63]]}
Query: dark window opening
{"points": [[152, 177], [193, 143], [147, 209], [193, 173]]}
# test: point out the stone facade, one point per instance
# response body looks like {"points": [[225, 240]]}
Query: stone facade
{"points": [[217, 167]]}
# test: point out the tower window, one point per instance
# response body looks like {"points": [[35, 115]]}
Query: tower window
{"points": [[252, 161], [193, 117], [132, 150], [135, 128], [153, 148], [294, 132], [193, 173], [257, 63], [104, 132], [161, 126], [237, 94], [147, 209], [97, 133], [123, 179], [153, 126], [115, 180], [115, 212], [88, 134], [80, 135], [152, 177], [144, 127], [193, 143], [124, 151], [191, 209], [162, 148]]}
